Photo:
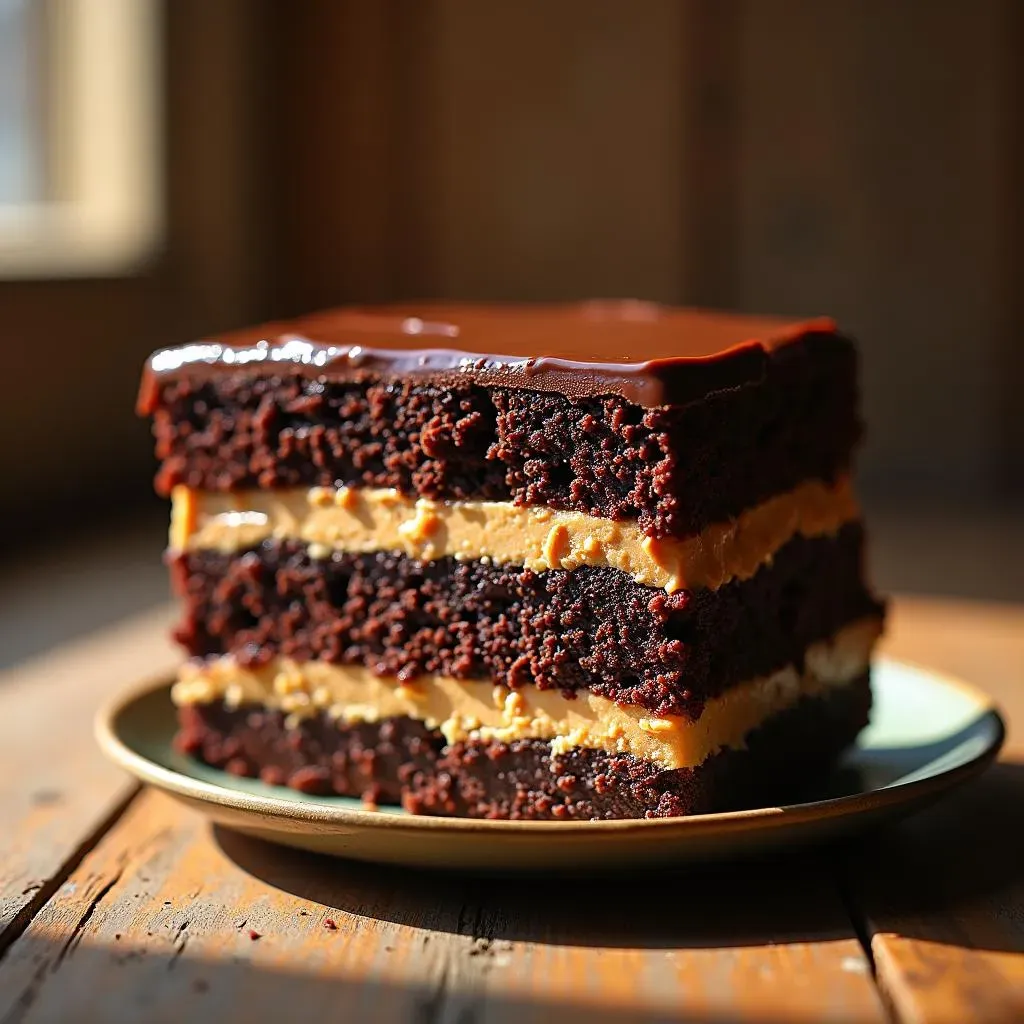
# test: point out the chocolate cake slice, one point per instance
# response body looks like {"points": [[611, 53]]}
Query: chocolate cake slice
{"points": [[590, 561]]}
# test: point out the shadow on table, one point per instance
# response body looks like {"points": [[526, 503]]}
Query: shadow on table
{"points": [[967, 851], [953, 873], [793, 900]]}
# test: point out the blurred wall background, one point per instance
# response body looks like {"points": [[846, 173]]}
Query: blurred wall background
{"points": [[858, 158]]}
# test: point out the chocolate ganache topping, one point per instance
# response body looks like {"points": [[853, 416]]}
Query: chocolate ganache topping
{"points": [[648, 354]]}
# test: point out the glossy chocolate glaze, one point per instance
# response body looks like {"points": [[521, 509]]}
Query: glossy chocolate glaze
{"points": [[648, 354]]}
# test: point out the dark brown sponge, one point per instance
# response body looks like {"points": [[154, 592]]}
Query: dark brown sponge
{"points": [[592, 628], [399, 761], [674, 468]]}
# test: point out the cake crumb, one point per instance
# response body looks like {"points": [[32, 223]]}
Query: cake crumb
{"points": [[422, 526], [557, 545], [254, 935], [655, 724], [346, 498], [330, 925]]}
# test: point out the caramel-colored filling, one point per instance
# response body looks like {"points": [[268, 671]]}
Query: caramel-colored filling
{"points": [[365, 520], [485, 712]]}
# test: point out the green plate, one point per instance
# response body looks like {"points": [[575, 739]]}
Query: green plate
{"points": [[928, 733]]}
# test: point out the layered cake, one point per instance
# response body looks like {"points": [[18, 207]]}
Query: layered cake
{"points": [[549, 562]]}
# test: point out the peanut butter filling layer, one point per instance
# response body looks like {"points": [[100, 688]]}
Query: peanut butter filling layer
{"points": [[365, 520], [482, 711]]}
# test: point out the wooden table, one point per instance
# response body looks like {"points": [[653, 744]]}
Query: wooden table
{"points": [[116, 903]]}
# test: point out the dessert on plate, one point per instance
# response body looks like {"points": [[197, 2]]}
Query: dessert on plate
{"points": [[553, 562]]}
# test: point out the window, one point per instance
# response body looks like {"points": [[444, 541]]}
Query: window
{"points": [[79, 136]]}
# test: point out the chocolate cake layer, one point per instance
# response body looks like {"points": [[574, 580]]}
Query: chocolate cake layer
{"points": [[592, 627], [401, 761], [675, 469]]}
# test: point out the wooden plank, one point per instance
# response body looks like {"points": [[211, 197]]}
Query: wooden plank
{"points": [[943, 902], [58, 790], [943, 939], [218, 174], [156, 923], [942, 896], [874, 186], [348, 133], [556, 158], [711, 132]]}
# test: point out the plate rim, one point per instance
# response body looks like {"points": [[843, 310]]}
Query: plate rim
{"points": [[312, 812]]}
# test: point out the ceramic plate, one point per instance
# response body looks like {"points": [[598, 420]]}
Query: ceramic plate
{"points": [[929, 732]]}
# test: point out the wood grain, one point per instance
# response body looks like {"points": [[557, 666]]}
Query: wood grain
{"points": [[353, 90], [159, 920], [58, 790], [148, 912], [557, 155], [942, 897], [858, 148], [793, 156]]}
